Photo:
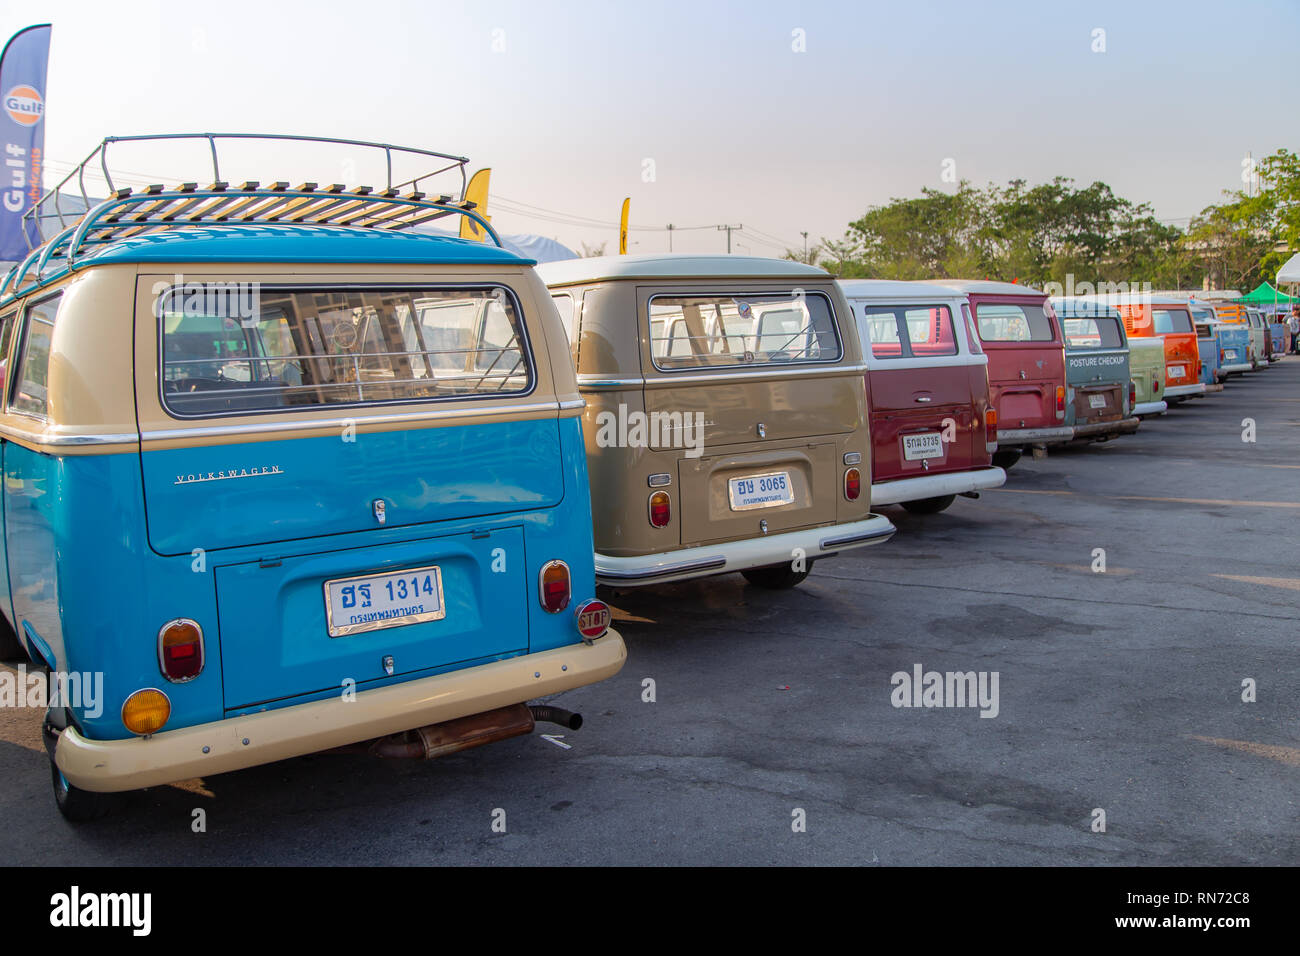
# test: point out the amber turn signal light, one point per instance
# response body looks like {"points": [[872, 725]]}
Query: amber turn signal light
{"points": [[146, 711]]}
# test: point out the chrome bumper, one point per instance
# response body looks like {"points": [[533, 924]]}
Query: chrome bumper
{"points": [[741, 555], [934, 486]]}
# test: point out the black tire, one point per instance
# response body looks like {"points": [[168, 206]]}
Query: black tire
{"points": [[10, 648], [929, 506], [77, 805], [1005, 458], [777, 577]]}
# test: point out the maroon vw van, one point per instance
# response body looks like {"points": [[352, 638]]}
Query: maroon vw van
{"points": [[933, 429], [1018, 330]]}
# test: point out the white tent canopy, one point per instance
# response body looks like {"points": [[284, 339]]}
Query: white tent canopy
{"points": [[1290, 271]]}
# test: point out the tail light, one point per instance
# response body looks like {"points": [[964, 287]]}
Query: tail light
{"points": [[1060, 401], [1132, 393], [146, 711], [554, 587], [852, 484], [661, 511], [180, 650], [990, 424], [592, 618], [1155, 383]]}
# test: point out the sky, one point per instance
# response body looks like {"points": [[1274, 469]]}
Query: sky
{"points": [[781, 117]]}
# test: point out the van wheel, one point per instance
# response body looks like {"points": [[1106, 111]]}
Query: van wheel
{"points": [[10, 647], [1006, 458], [77, 805], [929, 506], [776, 577]]}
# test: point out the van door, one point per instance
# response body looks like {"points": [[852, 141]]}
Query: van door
{"points": [[923, 414], [1026, 359], [763, 372], [315, 452]]}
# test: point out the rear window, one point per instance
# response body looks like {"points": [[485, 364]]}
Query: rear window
{"points": [[721, 331], [294, 348], [1013, 323], [915, 331], [1203, 315], [1093, 332], [1171, 320]]}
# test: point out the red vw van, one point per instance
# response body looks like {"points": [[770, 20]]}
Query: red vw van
{"points": [[1168, 317], [933, 429], [1018, 331]]}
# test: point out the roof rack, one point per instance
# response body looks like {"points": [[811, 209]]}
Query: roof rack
{"points": [[128, 213]]}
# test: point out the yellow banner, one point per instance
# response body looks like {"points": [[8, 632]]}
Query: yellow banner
{"points": [[476, 192], [622, 228]]}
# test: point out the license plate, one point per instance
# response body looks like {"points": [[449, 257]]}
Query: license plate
{"points": [[761, 491], [1177, 371], [927, 445], [1096, 401], [370, 602], [1230, 354]]}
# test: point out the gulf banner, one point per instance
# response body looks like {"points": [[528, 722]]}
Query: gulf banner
{"points": [[22, 137]]}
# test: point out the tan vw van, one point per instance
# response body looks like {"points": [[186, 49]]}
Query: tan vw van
{"points": [[726, 420]]}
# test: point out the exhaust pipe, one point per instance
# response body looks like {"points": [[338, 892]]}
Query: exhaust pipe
{"points": [[452, 736], [546, 714]]}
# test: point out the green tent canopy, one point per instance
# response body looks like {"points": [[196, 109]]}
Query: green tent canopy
{"points": [[1265, 294]]}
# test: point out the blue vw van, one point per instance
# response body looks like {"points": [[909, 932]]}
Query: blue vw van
{"points": [[283, 476]]}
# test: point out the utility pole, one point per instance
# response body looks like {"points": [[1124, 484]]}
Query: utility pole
{"points": [[728, 230], [670, 237], [805, 246]]}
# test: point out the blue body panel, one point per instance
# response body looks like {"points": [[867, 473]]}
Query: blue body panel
{"points": [[326, 486], [87, 582], [1209, 351], [1233, 339]]}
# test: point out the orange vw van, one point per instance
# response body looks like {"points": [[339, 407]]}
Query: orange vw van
{"points": [[1169, 318]]}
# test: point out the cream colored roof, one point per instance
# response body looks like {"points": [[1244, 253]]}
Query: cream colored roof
{"points": [[673, 266]]}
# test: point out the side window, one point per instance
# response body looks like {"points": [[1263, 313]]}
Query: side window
{"points": [[971, 337], [30, 394], [564, 304], [7, 323]]}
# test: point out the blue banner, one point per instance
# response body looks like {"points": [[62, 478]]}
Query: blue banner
{"points": [[22, 137]]}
